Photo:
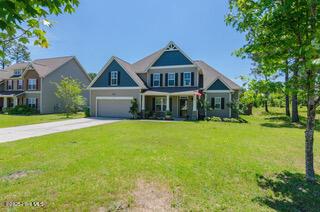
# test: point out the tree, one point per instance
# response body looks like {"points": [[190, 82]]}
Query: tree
{"points": [[283, 29], [14, 52], [5, 59], [19, 53], [21, 20], [134, 108], [69, 91], [92, 75]]}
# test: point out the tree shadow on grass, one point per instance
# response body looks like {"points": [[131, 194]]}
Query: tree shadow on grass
{"points": [[285, 121], [289, 192]]}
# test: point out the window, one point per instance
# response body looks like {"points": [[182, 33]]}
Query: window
{"points": [[32, 102], [187, 79], [156, 80], [17, 72], [19, 84], [160, 104], [114, 78], [171, 79], [32, 84], [9, 86], [217, 103]]}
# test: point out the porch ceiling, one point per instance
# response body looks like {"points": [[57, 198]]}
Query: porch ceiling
{"points": [[10, 93], [171, 91]]}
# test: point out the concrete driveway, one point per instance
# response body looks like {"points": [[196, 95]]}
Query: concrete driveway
{"points": [[34, 130]]}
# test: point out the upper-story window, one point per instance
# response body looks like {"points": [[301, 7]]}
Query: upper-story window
{"points": [[114, 78], [17, 72], [32, 84], [171, 79], [156, 80], [10, 85], [187, 79], [19, 84]]}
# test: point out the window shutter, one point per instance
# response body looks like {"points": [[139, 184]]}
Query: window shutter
{"points": [[212, 103], [153, 104], [166, 79], [37, 84], [181, 79], [27, 84], [177, 75], [222, 103], [109, 78], [7, 85], [161, 80], [151, 78], [37, 103], [118, 77], [192, 78]]}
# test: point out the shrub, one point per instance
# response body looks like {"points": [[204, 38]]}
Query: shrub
{"points": [[22, 110], [87, 112]]}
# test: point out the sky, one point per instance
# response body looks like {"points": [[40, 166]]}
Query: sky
{"points": [[133, 29]]}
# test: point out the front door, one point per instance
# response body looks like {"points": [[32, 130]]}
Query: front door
{"points": [[183, 105]]}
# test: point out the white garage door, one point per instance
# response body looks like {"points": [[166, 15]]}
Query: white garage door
{"points": [[115, 108]]}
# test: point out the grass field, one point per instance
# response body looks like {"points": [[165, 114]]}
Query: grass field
{"points": [[18, 120], [201, 166]]}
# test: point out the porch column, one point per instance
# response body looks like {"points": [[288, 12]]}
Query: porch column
{"points": [[15, 101], [5, 102], [194, 108], [142, 102], [168, 103]]}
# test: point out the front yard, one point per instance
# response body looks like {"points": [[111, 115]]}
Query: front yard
{"points": [[208, 166], [18, 120]]}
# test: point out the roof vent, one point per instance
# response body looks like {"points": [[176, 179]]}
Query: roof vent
{"points": [[171, 47]]}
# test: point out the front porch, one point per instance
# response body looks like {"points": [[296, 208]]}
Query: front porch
{"points": [[176, 105], [10, 99]]}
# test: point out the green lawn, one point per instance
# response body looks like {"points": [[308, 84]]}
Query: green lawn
{"points": [[254, 166], [18, 120]]}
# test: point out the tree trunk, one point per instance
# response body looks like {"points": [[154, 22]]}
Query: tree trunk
{"points": [[309, 133], [266, 106], [295, 112], [287, 92], [309, 141]]}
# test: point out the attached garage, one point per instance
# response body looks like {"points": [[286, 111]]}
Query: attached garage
{"points": [[115, 107]]}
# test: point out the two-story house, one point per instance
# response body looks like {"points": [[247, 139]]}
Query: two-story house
{"points": [[167, 80], [32, 83]]}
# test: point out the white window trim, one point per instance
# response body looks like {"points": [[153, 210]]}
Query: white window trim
{"points": [[34, 102], [184, 79], [35, 84], [156, 74], [18, 85], [215, 103], [174, 79], [114, 76], [162, 104], [11, 85]]}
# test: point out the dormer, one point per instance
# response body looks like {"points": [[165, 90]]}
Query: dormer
{"points": [[17, 72]]}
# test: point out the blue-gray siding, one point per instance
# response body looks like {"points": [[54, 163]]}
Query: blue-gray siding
{"points": [[170, 58], [218, 85], [125, 79]]}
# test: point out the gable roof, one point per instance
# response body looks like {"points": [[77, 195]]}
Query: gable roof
{"points": [[42, 66], [210, 75], [127, 67], [144, 64], [45, 66]]}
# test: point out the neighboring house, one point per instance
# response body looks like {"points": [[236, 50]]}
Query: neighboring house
{"points": [[32, 83], [167, 80]]}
